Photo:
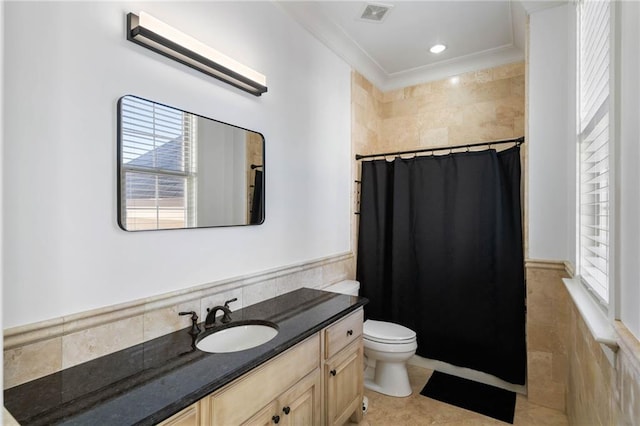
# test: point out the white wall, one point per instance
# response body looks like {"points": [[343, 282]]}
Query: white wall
{"points": [[551, 142], [64, 251], [628, 173]]}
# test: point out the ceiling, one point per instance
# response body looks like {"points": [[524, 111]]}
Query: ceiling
{"points": [[395, 52]]}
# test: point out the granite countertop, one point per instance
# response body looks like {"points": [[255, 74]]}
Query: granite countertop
{"points": [[149, 382]]}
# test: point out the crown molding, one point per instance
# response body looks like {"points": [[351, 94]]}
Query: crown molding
{"points": [[460, 65]]}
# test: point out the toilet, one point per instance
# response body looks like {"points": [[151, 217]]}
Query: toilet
{"points": [[389, 345]]}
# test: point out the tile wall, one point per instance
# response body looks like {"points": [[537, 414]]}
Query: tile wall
{"points": [[602, 389], [548, 319], [567, 369], [472, 107], [36, 350]]}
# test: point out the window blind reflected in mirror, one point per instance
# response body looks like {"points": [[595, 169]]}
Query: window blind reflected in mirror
{"points": [[158, 160]]}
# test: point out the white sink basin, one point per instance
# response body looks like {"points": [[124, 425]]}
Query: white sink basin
{"points": [[237, 338]]}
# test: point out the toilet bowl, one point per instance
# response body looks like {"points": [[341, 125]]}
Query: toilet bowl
{"points": [[389, 345]]}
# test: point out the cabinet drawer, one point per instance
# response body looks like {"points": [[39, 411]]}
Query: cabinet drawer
{"points": [[340, 334], [251, 393]]}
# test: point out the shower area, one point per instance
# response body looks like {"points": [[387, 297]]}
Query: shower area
{"points": [[440, 223]]}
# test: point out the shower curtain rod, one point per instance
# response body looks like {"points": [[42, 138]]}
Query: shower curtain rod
{"points": [[517, 141]]}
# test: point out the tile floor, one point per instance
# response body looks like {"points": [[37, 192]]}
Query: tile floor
{"points": [[420, 410]]}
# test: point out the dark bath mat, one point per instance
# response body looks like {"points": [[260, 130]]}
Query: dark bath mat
{"points": [[484, 399]]}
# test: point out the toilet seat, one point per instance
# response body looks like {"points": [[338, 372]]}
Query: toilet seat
{"points": [[386, 332]]}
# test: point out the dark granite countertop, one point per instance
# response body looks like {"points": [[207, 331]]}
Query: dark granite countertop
{"points": [[149, 382]]}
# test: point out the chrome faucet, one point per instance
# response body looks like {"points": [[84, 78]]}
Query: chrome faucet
{"points": [[210, 321]]}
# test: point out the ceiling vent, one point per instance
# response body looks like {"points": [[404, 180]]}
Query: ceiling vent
{"points": [[375, 12]]}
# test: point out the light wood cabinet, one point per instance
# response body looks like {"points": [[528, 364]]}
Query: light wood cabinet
{"points": [[300, 406], [343, 384], [264, 417], [342, 333], [343, 370], [318, 381], [190, 416], [248, 396]]}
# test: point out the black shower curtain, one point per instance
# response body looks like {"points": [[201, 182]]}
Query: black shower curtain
{"points": [[440, 251]]}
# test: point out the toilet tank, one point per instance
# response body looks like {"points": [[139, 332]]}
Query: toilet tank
{"points": [[350, 287]]}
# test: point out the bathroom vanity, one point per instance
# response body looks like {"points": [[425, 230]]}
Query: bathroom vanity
{"points": [[310, 373], [288, 389]]}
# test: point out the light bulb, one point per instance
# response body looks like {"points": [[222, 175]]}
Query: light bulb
{"points": [[437, 48]]}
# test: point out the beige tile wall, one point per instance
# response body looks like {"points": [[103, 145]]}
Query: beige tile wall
{"points": [[36, 350], [473, 107], [591, 388], [366, 114], [627, 377], [366, 130], [602, 391], [548, 320], [567, 369]]}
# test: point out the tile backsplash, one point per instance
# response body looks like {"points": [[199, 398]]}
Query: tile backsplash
{"points": [[36, 350]]}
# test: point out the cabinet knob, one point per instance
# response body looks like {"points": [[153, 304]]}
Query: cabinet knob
{"points": [[276, 419], [286, 410], [349, 332], [333, 372]]}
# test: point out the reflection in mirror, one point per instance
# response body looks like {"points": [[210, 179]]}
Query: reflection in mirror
{"points": [[181, 170]]}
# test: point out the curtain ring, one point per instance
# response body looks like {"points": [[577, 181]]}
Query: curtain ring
{"points": [[467, 148]]}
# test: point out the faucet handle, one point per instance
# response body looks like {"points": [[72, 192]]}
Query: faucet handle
{"points": [[194, 316], [226, 304], [194, 322]]}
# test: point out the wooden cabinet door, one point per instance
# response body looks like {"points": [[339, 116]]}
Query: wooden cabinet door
{"points": [[265, 417], [343, 385], [190, 416], [300, 406], [250, 394]]}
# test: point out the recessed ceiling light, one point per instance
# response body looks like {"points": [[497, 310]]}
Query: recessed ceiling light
{"points": [[437, 48]]}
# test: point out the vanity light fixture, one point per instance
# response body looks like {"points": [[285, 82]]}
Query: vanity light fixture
{"points": [[437, 48], [154, 34]]}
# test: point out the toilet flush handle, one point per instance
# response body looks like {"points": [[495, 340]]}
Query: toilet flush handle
{"points": [[349, 332]]}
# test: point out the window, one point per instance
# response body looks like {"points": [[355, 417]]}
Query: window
{"points": [[159, 164], [594, 136]]}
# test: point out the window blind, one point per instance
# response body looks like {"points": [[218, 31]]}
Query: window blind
{"points": [[594, 84], [158, 161]]}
